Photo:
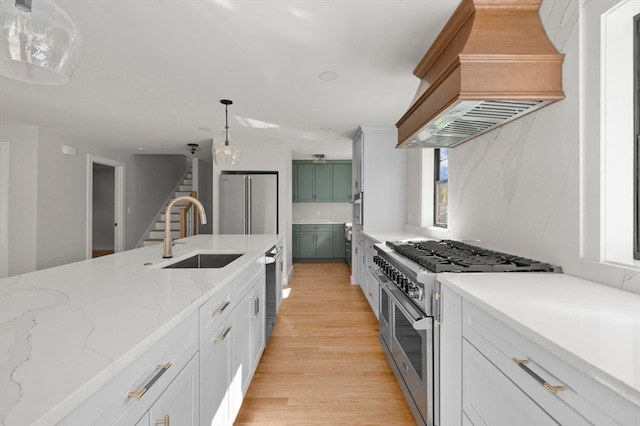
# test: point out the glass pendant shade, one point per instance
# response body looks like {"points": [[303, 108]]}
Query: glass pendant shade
{"points": [[38, 46], [226, 152]]}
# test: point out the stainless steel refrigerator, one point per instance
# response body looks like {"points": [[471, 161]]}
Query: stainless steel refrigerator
{"points": [[249, 203]]}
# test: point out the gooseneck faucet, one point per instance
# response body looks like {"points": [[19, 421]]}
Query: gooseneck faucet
{"points": [[167, 224]]}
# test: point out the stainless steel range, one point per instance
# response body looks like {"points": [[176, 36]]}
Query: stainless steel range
{"points": [[409, 309]]}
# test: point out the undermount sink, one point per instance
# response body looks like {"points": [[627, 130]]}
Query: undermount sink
{"points": [[216, 260]]}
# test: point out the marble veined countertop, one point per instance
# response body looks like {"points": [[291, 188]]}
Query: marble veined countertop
{"points": [[593, 327], [65, 331]]}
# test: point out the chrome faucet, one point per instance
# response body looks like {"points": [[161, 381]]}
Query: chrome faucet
{"points": [[167, 224]]}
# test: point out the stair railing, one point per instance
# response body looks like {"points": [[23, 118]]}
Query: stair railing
{"points": [[188, 226]]}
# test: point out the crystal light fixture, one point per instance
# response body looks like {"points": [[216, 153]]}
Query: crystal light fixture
{"points": [[226, 152], [39, 42]]}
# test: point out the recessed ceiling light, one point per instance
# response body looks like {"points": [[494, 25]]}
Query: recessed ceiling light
{"points": [[325, 129], [204, 129], [141, 149], [327, 75]]}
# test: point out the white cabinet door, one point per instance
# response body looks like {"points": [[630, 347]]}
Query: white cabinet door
{"points": [[178, 405], [241, 352], [215, 375], [257, 326]]}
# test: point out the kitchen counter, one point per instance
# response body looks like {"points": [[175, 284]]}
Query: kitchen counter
{"points": [[384, 236], [66, 331], [318, 221], [593, 327]]}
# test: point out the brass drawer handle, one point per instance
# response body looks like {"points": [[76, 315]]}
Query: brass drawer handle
{"points": [[138, 394], [221, 309], [551, 388], [223, 335], [163, 421]]}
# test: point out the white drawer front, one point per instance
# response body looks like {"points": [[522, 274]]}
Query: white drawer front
{"points": [[213, 312]]}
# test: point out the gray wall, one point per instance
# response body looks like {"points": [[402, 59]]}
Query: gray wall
{"points": [[48, 195], [204, 170], [23, 178]]}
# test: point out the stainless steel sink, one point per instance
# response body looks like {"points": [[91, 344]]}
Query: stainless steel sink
{"points": [[216, 260]]}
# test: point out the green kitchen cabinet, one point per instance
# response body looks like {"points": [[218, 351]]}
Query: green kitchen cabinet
{"points": [[339, 242], [314, 242], [327, 182], [295, 237], [323, 183], [294, 186], [342, 183]]}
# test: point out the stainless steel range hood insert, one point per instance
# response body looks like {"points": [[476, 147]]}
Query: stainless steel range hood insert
{"points": [[492, 63]]}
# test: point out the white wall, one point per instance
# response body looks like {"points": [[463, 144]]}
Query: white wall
{"points": [[518, 188], [337, 212], [264, 155], [48, 196], [23, 185]]}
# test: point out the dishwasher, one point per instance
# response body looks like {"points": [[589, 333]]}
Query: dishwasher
{"points": [[274, 267]]}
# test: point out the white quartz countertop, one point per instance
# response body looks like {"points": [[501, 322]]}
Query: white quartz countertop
{"points": [[384, 236], [65, 331], [593, 327], [318, 222]]}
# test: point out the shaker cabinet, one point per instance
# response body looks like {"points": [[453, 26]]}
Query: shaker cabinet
{"points": [[318, 242], [327, 182], [492, 374], [178, 404]]}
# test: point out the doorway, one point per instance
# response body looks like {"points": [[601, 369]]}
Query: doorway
{"points": [[105, 205]]}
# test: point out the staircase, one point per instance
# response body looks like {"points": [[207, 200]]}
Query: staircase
{"points": [[155, 235]]}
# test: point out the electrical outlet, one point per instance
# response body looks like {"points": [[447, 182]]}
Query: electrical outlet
{"points": [[318, 213]]}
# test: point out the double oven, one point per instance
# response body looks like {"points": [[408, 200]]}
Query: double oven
{"points": [[409, 309]]}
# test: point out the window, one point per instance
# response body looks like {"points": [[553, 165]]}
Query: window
{"points": [[636, 164], [441, 189]]}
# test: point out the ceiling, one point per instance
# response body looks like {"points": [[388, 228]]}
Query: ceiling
{"points": [[152, 72]]}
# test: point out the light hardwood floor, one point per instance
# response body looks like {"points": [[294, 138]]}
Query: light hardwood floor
{"points": [[324, 364]]}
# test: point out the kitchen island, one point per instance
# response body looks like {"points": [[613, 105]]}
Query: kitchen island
{"points": [[67, 331]]}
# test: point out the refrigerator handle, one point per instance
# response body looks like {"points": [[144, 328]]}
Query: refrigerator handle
{"points": [[248, 212]]}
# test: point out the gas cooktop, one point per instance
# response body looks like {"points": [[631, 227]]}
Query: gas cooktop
{"points": [[456, 256]]}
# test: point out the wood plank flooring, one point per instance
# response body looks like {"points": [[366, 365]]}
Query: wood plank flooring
{"points": [[324, 364]]}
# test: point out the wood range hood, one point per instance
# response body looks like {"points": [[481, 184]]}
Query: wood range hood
{"points": [[491, 63]]}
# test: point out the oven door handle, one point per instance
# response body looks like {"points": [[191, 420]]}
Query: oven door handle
{"points": [[418, 320]]}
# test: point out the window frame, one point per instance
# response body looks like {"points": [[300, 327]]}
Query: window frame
{"points": [[636, 142], [437, 181]]}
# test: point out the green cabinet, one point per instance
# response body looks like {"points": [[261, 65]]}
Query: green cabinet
{"points": [[339, 242], [318, 242], [328, 182]]}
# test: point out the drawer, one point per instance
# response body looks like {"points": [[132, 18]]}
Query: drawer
{"points": [[582, 397], [320, 228], [214, 311], [113, 401], [245, 280]]}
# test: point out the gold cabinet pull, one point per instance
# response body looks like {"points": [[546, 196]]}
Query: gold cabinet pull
{"points": [[223, 335], [163, 421], [138, 394], [522, 363], [221, 309]]}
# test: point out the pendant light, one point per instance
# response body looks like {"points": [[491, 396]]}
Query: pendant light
{"points": [[40, 44], [226, 152]]}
